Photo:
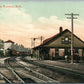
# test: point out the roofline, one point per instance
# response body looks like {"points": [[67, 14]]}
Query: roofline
{"points": [[61, 34], [57, 37], [60, 47], [8, 42]]}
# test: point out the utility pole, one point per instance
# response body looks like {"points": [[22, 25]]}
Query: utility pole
{"points": [[41, 38], [34, 41], [72, 32], [31, 46]]}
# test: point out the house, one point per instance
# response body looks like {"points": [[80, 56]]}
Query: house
{"points": [[7, 45], [59, 46]]}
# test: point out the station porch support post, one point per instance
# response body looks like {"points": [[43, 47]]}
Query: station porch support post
{"points": [[71, 33]]}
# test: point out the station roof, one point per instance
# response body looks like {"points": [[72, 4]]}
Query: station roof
{"points": [[54, 41]]}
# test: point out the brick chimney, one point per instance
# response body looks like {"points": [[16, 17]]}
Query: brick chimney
{"points": [[60, 29]]}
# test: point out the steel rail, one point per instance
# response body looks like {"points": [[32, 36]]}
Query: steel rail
{"points": [[45, 78], [5, 78], [14, 72], [37, 80]]}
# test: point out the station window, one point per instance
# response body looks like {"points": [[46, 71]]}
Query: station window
{"points": [[62, 40], [66, 40], [69, 40]]}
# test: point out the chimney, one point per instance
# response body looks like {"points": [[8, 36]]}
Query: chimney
{"points": [[60, 29]]}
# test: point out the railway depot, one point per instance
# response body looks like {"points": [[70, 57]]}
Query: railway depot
{"points": [[28, 52], [27, 69], [51, 66], [59, 47]]}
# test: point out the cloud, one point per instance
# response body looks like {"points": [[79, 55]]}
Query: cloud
{"points": [[53, 21], [18, 26], [43, 20], [15, 15], [52, 24], [15, 24]]}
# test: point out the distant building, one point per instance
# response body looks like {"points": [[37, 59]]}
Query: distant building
{"points": [[7, 45], [10, 48], [59, 45], [1, 44]]}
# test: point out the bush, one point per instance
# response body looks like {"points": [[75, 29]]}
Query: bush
{"points": [[1, 54]]}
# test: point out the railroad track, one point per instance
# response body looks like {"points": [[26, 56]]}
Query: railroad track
{"points": [[67, 73], [3, 78], [30, 73], [6, 80], [8, 75], [13, 71]]}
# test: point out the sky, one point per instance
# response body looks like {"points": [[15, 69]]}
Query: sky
{"points": [[21, 21]]}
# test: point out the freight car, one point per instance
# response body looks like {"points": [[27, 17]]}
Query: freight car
{"points": [[12, 52]]}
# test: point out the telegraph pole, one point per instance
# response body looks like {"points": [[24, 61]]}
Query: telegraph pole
{"points": [[41, 38], [34, 41], [31, 46], [72, 32]]}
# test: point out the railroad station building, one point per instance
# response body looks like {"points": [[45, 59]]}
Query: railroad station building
{"points": [[59, 46]]}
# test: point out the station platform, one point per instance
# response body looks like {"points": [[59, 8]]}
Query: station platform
{"points": [[29, 58], [78, 67]]}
